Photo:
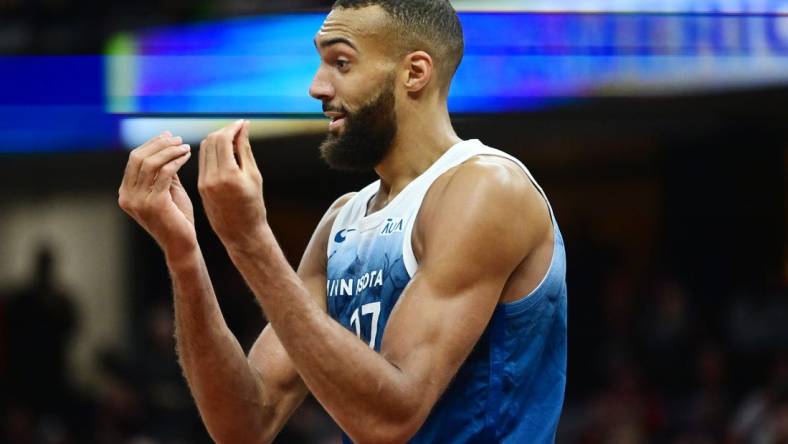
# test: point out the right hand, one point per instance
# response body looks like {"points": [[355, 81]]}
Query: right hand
{"points": [[152, 194]]}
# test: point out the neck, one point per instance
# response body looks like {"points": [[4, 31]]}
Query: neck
{"points": [[420, 141]]}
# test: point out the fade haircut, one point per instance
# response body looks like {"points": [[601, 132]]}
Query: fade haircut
{"points": [[423, 25]]}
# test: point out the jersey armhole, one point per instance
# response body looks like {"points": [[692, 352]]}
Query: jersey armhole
{"points": [[522, 304], [408, 258]]}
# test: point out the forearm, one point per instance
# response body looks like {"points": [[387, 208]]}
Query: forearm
{"points": [[223, 384], [360, 389]]}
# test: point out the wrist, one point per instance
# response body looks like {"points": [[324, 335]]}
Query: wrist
{"points": [[182, 257], [252, 241]]}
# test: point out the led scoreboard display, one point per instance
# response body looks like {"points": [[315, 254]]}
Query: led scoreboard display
{"points": [[520, 56], [534, 54]]}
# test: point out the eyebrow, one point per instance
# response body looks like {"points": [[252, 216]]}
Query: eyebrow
{"points": [[335, 41]]}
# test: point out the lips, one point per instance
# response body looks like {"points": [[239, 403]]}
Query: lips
{"points": [[336, 123], [337, 119]]}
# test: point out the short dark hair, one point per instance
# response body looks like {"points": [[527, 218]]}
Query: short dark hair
{"points": [[426, 25]]}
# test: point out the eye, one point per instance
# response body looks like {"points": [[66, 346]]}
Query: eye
{"points": [[342, 64]]}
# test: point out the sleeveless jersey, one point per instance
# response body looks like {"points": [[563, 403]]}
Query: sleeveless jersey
{"points": [[511, 387]]}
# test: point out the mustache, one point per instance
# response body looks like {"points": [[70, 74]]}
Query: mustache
{"points": [[327, 108]]}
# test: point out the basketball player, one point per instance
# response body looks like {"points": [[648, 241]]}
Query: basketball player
{"points": [[428, 307]]}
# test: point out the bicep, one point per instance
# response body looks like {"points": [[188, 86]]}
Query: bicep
{"points": [[431, 332], [439, 318], [464, 268]]}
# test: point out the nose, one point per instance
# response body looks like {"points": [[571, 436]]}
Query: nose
{"points": [[321, 88]]}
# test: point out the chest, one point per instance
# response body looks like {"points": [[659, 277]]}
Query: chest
{"points": [[366, 275]]}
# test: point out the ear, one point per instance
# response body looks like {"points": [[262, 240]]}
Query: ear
{"points": [[420, 70]]}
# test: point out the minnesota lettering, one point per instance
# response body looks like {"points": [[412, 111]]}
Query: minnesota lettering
{"points": [[351, 287]]}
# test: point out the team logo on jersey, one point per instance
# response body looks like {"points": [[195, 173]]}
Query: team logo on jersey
{"points": [[393, 225], [341, 235]]}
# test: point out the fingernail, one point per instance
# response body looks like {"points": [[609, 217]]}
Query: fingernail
{"points": [[186, 147], [167, 134], [239, 121], [178, 139]]}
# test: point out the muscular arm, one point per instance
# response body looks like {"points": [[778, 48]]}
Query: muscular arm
{"points": [[484, 211], [241, 400]]}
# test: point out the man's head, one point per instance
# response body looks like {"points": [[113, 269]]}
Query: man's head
{"points": [[379, 59]]}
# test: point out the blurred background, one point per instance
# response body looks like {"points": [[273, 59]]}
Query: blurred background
{"points": [[659, 130]]}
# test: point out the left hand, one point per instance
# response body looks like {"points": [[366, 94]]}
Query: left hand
{"points": [[231, 186]]}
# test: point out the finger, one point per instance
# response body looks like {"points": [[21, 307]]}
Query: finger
{"points": [[225, 146], [233, 128], [152, 165], [127, 180], [154, 144], [154, 139], [169, 173], [140, 154], [202, 169], [210, 156], [175, 179], [132, 165], [244, 148], [223, 150]]}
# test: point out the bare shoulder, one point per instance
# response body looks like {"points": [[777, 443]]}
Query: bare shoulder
{"points": [[314, 258], [489, 195], [487, 183], [335, 207], [324, 227]]}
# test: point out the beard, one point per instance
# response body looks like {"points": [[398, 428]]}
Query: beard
{"points": [[367, 136]]}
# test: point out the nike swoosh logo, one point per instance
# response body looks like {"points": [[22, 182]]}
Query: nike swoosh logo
{"points": [[340, 237]]}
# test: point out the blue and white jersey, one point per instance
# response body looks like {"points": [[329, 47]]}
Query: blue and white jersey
{"points": [[511, 387]]}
